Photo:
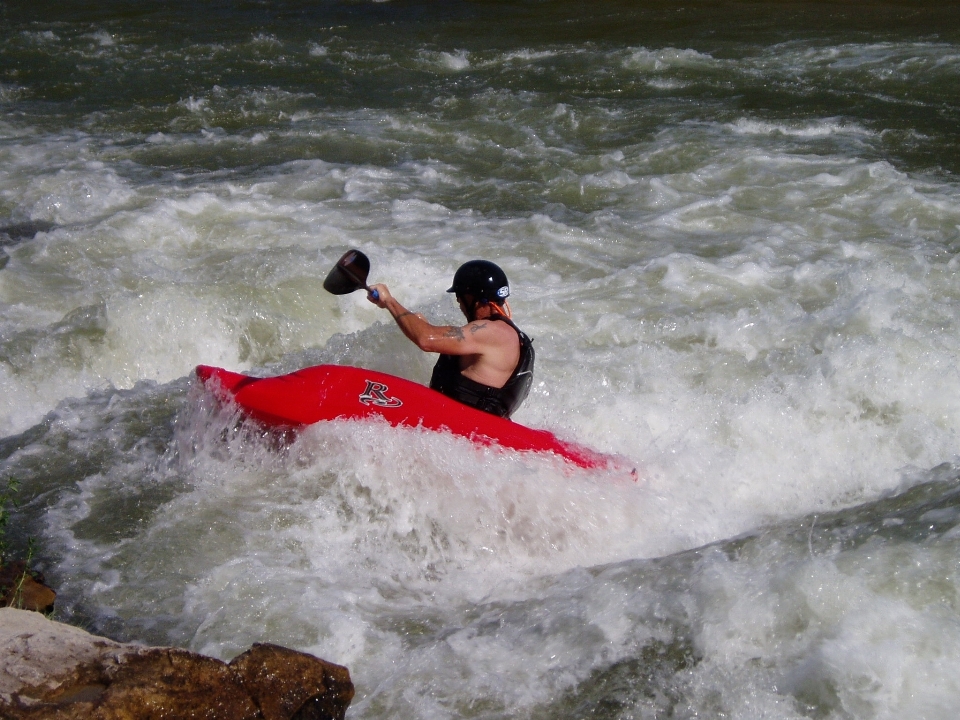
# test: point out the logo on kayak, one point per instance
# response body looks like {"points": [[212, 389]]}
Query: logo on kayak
{"points": [[376, 394]]}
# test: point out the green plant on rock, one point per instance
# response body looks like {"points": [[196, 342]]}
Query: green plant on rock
{"points": [[14, 574], [6, 499]]}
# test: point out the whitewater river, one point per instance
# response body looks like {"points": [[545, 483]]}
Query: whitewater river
{"points": [[732, 229]]}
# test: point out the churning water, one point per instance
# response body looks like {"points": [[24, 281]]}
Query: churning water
{"points": [[732, 229]]}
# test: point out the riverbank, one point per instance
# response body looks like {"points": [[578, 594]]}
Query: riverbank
{"points": [[55, 671]]}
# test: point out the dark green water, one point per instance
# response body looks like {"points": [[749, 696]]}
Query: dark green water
{"points": [[375, 59]]}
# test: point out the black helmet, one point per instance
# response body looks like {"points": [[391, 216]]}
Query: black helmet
{"points": [[483, 280]]}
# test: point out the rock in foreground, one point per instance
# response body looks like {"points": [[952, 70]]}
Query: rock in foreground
{"points": [[58, 672]]}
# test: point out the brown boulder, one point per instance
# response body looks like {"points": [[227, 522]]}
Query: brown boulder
{"points": [[153, 684], [20, 589], [289, 684], [51, 671]]}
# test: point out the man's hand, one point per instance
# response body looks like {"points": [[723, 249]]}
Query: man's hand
{"points": [[382, 295]]}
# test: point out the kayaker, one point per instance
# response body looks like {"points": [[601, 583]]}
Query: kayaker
{"points": [[487, 363]]}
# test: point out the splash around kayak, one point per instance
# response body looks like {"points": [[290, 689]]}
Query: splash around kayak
{"points": [[338, 392]]}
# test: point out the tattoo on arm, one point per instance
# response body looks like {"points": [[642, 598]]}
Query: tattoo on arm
{"points": [[477, 328], [455, 333]]}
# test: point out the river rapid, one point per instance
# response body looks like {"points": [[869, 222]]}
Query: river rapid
{"points": [[731, 228]]}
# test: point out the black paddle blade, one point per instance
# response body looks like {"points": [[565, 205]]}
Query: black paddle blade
{"points": [[349, 274]]}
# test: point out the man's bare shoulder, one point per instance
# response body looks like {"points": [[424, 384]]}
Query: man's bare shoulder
{"points": [[490, 331]]}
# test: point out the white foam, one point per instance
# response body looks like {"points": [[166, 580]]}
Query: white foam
{"points": [[817, 129], [77, 194], [266, 40], [455, 61], [194, 104], [668, 58], [103, 38], [850, 633], [40, 36]]}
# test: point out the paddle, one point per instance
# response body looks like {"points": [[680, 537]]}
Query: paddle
{"points": [[349, 274]]}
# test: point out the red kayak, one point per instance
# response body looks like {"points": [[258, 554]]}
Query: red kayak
{"points": [[336, 392]]}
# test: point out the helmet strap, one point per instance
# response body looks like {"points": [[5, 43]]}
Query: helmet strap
{"points": [[472, 304]]}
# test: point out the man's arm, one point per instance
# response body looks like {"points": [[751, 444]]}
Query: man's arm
{"points": [[447, 339]]}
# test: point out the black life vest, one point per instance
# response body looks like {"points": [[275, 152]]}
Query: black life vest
{"points": [[497, 401]]}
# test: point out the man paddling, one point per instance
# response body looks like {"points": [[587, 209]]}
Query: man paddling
{"points": [[487, 363]]}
